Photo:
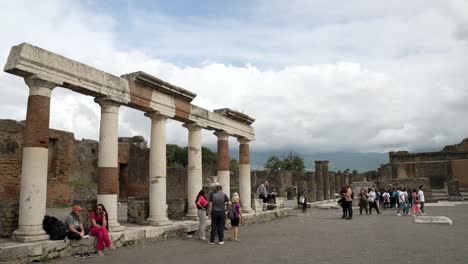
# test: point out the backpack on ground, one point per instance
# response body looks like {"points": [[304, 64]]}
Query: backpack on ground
{"points": [[56, 229]]}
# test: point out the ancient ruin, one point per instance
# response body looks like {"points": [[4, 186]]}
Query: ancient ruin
{"points": [[43, 71]]}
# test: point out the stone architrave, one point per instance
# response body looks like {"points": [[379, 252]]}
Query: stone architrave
{"points": [[244, 174], [194, 171], [222, 164], [157, 171], [108, 165], [311, 187], [319, 180], [33, 189], [326, 180]]}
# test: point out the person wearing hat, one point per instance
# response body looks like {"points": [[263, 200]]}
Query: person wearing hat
{"points": [[74, 224], [216, 209]]}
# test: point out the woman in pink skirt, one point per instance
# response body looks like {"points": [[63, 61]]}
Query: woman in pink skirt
{"points": [[99, 228], [415, 208]]}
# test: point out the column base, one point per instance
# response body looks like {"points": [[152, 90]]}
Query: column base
{"points": [[116, 228], [247, 210], [190, 217], [158, 221], [29, 236]]}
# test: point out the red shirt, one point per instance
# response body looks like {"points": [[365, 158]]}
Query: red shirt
{"points": [[202, 201], [97, 218]]}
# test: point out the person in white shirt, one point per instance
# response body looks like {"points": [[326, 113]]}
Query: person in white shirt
{"points": [[421, 199], [372, 201], [401, 200], [386, 200]]}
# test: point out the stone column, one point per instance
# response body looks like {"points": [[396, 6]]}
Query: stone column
{"points": [[108, 164], [157, 171], [346, 177], [311, 186], [222, 164], [326, 180], [332, 184], [194, 172], [318, 180], [33, 192], [337, 182], [354, 177], [244, 175]]}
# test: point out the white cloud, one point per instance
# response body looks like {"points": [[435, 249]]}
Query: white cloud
{"points": [[316, 78]]}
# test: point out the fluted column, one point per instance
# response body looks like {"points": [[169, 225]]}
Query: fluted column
{"points": [[157, 171], [319, 180], [326, 180], [244, 175], [108, 165], [222, 165], [194, 172], [33, 190]]}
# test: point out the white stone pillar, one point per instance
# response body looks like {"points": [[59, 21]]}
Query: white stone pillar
{"points": [[157, 171], [33, 191], [222, 165], [108, 164], [244, 175], [194, 171]]}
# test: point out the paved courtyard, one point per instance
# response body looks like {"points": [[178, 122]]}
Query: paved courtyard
{"points": [[317, 237]]}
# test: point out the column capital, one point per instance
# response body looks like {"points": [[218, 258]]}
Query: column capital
{"points": [[243, 140], [38, 86], [192, 126], [156, 116], [222, 135], [107, 104]]}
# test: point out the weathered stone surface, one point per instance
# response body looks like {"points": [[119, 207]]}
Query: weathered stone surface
{"points": [[26, 59], [442, 220]]}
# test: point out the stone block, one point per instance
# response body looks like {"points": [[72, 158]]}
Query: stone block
{"points": [[257, 205], [441, 220], [133, 234], [153, 231]]}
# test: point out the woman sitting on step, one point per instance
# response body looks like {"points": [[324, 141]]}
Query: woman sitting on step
{"points": [[99, 228]]}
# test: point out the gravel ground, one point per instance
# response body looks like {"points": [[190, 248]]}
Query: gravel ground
{"points": [[319, 236]]}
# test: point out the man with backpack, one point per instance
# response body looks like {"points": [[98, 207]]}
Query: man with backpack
{"points": [[216, 209]]}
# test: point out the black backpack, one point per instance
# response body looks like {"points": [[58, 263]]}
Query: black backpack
{"points": [[56, 229], [232, 212]]}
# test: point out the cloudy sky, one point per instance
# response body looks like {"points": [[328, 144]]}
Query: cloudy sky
{"points": [[317, 76]]}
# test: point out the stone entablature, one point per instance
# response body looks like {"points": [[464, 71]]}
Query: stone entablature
{"points": [[137, 90]]}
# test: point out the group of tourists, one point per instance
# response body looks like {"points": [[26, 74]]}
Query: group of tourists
{"points": [[99, 228], [220, 208], [401, 198]]}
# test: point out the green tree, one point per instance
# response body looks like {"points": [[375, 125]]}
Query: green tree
{"points": [[273, 164], [208, 157], [291, 162], [233, 165]]}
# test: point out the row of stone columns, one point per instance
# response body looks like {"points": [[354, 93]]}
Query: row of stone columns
{"points": [[33, 193], [325, 184]]}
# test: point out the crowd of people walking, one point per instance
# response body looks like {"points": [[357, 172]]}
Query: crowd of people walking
{"points": [[407, 201]]}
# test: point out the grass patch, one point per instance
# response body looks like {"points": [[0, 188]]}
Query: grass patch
{"points": [[82, 184]]}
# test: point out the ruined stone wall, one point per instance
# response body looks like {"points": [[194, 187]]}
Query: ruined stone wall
{"points": [[11, 152], [412, 184]]}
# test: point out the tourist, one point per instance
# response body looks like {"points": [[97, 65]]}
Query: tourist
{"points": [[201, 204], [372, 199], [363, 204], [349, 202], [235, 217], [407, 203], [393, 198], [386, 199], [415, 207], [100, 228], [263, 193], [303, 201], [421, 199], [401, 200], [343, 202], [216, 209], [75, 229]]}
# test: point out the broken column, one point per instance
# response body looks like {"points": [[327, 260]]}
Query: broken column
{"points": [[326, 180], [319, 180], [337, 182], [311, 186]]}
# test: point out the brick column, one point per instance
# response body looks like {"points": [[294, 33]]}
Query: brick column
{"points": [[244, 175], [338, 182], [33, 192], [222, 164], [326, 180], [319, 180], [157, 171], [194, 172], [311, 186], [108, 165]]}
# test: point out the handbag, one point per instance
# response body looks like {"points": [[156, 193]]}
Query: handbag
{"points": [[302, 200]]}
